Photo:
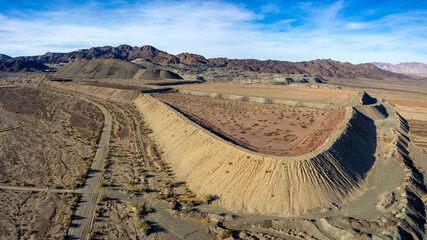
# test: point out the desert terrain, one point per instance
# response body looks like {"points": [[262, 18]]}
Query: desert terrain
{"points": [[274, 129], [307, 94], [50, 138], [183, 147]]}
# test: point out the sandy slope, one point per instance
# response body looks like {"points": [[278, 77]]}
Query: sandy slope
{"points": [[246, 181], [99, 68], [251, 182], [101, 92]]}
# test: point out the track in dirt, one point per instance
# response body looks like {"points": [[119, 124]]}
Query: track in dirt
{"points": [[83, 216]]}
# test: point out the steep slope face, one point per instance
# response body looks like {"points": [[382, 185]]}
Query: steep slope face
{"points": [[4, 57], [155, 74], [17, 65], [246, 181], [189, 58], [99, 68], [407, 67], [113, 94], [122, 52]]}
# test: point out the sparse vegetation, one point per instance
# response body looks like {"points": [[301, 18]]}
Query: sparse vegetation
{"points": [[144, 226], [226, 233], [103, 198], [142, 209], [187, 210], [256, 126], [208, 198]]}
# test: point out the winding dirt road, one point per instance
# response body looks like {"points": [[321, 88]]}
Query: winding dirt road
{"points": [[83, 215]]}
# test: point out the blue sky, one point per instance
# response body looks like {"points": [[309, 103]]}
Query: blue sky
{"points": [[343, 30]]}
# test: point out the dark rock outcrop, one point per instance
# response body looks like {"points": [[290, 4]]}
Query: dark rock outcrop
{"points": [[18, 65]]}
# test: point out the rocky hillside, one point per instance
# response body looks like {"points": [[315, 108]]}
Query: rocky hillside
{"points": [[122, 52], [4, 57], [406, 67], [189, 58], [18, 65], [323, 67]]}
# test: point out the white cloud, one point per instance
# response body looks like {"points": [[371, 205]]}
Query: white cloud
{"points": [[355, 25], [216, 29]]}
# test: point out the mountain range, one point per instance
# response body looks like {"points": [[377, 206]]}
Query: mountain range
{"points": [[323, 67], [21, 65], [4, 57], [407, 67]]}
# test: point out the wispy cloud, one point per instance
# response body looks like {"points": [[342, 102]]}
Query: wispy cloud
{"points": [[218, 28]]}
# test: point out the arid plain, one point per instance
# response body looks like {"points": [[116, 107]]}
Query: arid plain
{"points": [[154, 149]]}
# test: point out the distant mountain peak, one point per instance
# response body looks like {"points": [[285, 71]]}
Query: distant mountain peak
{"points": [[5, 57], [405, 67], [191, 58], [20, 65]]}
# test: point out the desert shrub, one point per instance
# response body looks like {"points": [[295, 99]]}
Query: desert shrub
{"points": [[226, 233], [208, 198], [142, 209], [168, 183], [187, 210], [143, 189], [103, 198], [165, 196], [144, 226], [190, 203]]}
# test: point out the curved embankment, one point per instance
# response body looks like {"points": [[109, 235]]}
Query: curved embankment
{"points": [[113, 94], [246, 181], [291, 103]]}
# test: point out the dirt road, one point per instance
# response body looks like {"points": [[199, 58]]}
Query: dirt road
{"points": [[140, 143], [83, 216], [35, 189]]}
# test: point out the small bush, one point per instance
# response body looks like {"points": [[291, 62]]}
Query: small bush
{"points": [[226, 233], [208, 198], [190, 203], [142, 209], [168, 183], [143, 189], [103, 198], [187, 210], [144, 226]]}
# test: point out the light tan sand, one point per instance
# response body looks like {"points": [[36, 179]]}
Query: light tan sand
{"points": [[255, 183], [318, 95]]}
